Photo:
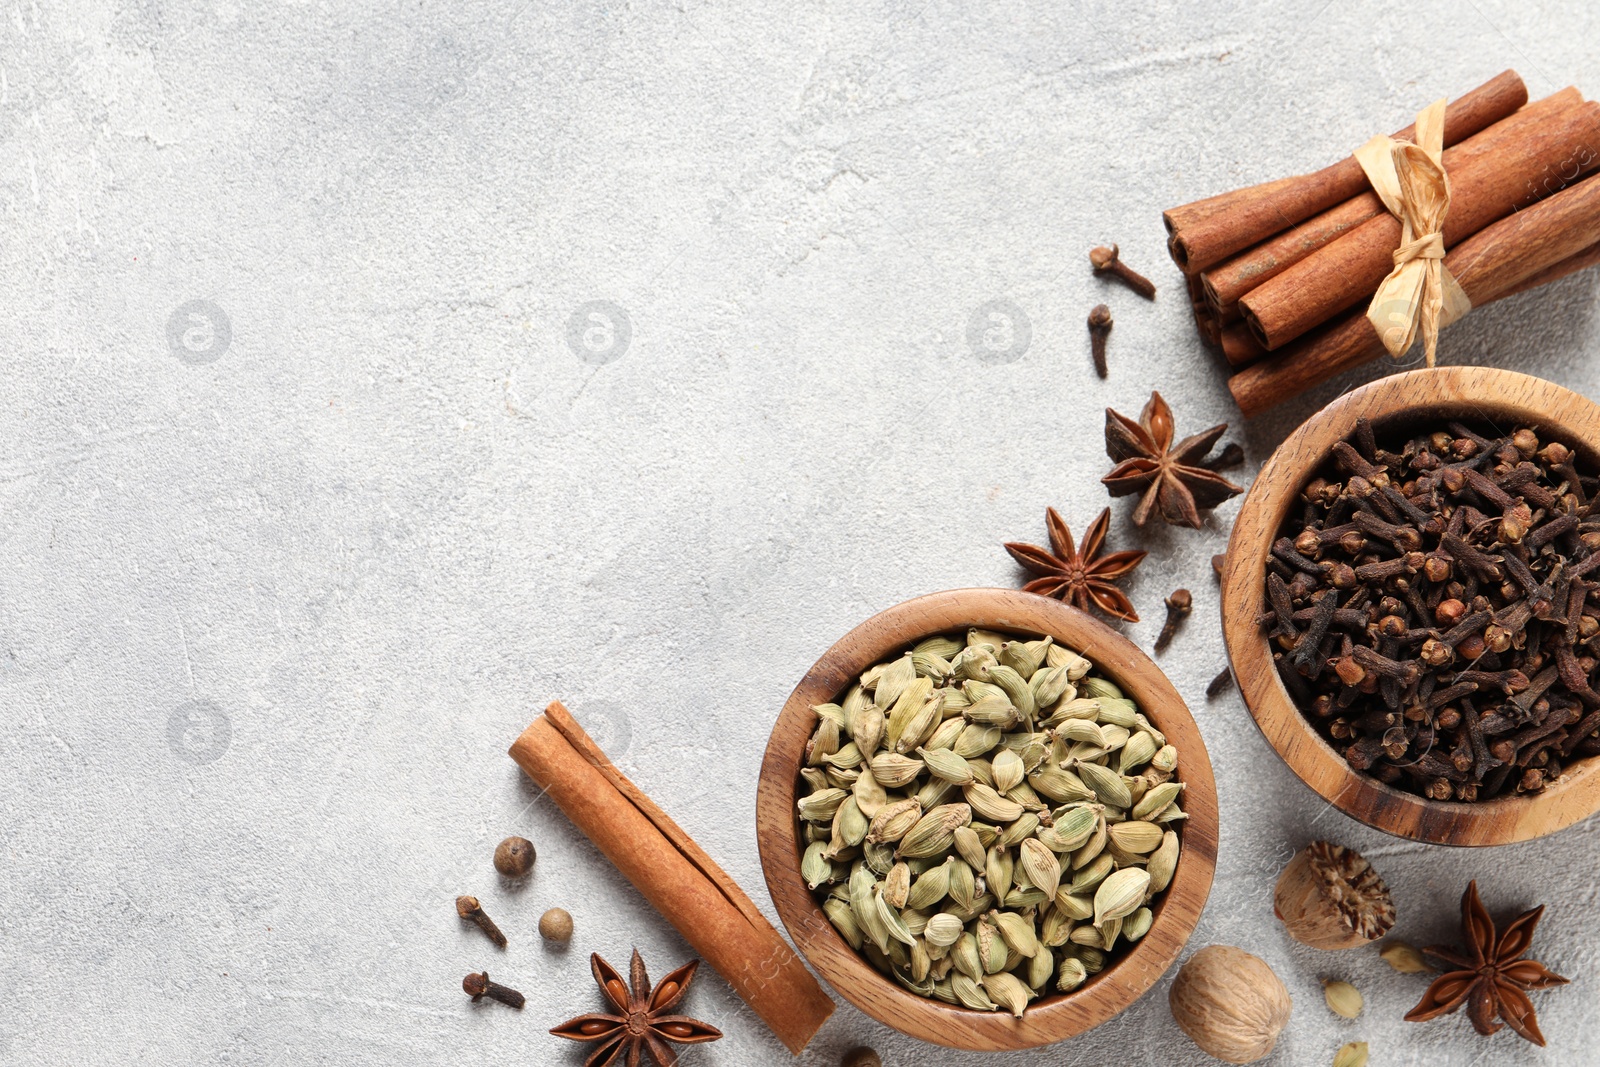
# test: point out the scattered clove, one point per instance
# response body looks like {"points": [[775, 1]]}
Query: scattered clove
{"points": [[1219, 684], [1105, 260], [478, 986], [469, 908], [1179, 604], [1099, 330]]}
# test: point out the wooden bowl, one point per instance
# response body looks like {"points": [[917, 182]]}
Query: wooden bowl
{"points": [[1400, 401], [1050, 1019]]}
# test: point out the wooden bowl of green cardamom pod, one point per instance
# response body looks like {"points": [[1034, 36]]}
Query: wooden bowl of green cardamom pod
{"points": [[1079, 716]]}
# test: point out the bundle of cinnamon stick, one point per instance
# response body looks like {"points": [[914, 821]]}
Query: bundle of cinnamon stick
{"points": [[1280, 274]]}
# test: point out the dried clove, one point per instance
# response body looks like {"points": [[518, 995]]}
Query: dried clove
{"points": [[1432, 610], [1099, 330], [478, 986], [1179, 604], [469, 908], [1105, 260]]}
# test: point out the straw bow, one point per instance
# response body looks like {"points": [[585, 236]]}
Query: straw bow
{"points": [[1411, 181]]}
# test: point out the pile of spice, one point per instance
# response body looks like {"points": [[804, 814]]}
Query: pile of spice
{"points": [[1436, 606], [985, 820]]}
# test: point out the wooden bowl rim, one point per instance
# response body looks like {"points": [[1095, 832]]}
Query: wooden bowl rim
{"points": [[1468, 393], [1058, 1016]]}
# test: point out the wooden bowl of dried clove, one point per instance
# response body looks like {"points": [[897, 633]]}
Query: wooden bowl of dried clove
{"points": [[1169, 917], [1410, 605]]}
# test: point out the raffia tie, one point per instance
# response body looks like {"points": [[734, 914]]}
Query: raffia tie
{"points": [[1411, 181]]}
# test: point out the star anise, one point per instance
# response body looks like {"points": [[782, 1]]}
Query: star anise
{"points": [[1080, 579], [643, 1025], [1177, 480], [1492, 979]]}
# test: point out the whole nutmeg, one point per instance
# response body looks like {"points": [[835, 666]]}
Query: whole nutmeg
{"points": [[1329, 897], [1230, 1003], [514, 857], [555, 925], [861, 1057]]}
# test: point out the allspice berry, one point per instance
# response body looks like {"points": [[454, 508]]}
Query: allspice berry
{"points": [[1230, 1003], [514, 857], [861, 1057], [555, 925], [1329, 897]]}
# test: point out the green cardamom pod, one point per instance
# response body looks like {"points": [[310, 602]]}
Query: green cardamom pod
{"points": [[947, 765], [894, 821], [1138, 751], [1019, 831], [1121, 894], [1076, 908], [969, 993], [1106, 783], [998, 869], [1156, 799], [1136, 837], [822, 805], [1071, 976], [1041, 865], [934, 832], [1008, 991], [1008, 770], [1163, 862], [844, 921], [931, 886], [986, 802], [893, 770]]}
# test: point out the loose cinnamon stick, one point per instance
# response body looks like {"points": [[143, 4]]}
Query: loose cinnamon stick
{"points": [[1207, 239], [1525, 164], [1533, 247], [1231, 279], [675, 876]]}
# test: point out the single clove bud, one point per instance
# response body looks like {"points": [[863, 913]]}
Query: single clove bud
{"points": [[1219, 683], [1179, 604], [1105, 259], [478, 985], [469, 908], [1099, 330]]}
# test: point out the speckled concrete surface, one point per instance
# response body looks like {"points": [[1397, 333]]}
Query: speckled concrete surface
{"points": [[377, 372]]}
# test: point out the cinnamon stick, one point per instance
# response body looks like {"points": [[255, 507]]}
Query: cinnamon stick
{"points": [[1533, 247], [1231, 279], [1212, 206], [1239, 346], [1507, 170], [1203, 239], [675, 876], [1205, 321]]}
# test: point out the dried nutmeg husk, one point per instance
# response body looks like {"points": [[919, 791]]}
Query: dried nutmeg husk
{"points": [[1329, 897], [1230, 1003]]}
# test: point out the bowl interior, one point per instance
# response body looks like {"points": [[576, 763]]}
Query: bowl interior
{"points": [[1051, 1018], [1481, 398]]}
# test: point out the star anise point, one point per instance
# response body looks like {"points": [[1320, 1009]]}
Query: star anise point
{"points": [[1081, 577], [643, 1028], [1176, 481], [1492, 977]]}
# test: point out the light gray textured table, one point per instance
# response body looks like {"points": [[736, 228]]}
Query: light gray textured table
{"points": [[316, 483]]}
